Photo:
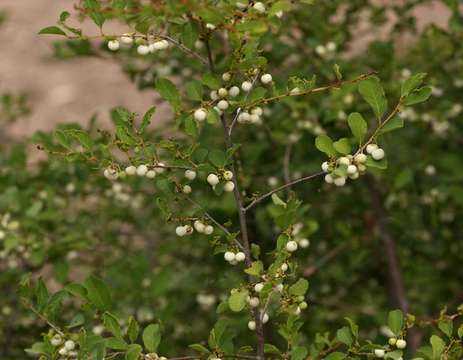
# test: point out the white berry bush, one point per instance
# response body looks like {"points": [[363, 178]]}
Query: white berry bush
{"points": [[193, 232]]}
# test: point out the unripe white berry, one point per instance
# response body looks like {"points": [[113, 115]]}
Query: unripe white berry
{"points": [[110, 174], [354, 176], [222, 92], [190, 174], [187, 189], [266, 79], [228, 175], [113, 45], [259, 7], [127, 39], [229, 186], [213, 179], [159, 168], [131, 170], [371, 147], [329, 179], [343, 160], [143, 50], [69, 345], [331, 46], [142, 170], [254, 302], [361, 168], [360, 158], [229, 256], [303, 305], [209, 229], [284, 267], [379, 353], [340, 181], [401, 344], [240, 256], [297, 311], [351, 169], [254, 118], [392, 341], [320, 50], [222, 104], [199, 226], [200, 115], [234, 91], [304, 243], [378, 154], [257, 111], [244, 117], [226, 76], [325, 166], [56, 340], [265, 318], [291, 246], [246, 86], [180, 231], [258, 287], [252, 325], [62, 351]]}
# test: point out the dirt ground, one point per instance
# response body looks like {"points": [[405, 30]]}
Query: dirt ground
{"points": [[74, 90]]}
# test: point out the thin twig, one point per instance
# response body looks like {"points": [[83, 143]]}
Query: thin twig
{"points": [[270, 193]]}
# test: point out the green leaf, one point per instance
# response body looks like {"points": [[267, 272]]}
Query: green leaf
{"points": [[299, 288], [395, 123], [353, 327], [271, 349], [199, 348], [411, 84], [168, 91], [460, 331], [133, 329], [446, 326], [358, 126], [147, 118], [397, 354], [190, 33], [133, 352], [325, 144], [373, 93], [98, 293], [52, 30], [98, 18], [418, 96], [116, 343], [298, 353], [438, 346], [194, 90], [342, 146], [111, 324], [344, 335], [76, 290], [336, 356], [217, 158], [277, 201], [381, 164], [212, 81], [152, 337], [237, 300], [395, 321], [212, 117], [255, 269]]}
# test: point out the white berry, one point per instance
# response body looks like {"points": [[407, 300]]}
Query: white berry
{"points": [[199, 226], [214, 96], [401, 344], [143, 50], [213, 179], [304, 243], [151, 174], [252, 325], [343, 160], [209, 229], [329, 179], [340, 181], [379, 353], [258, 287], [69, 345], [222, 104], [240, 256], [246, 86], [190, 174], [228, 175], [222, 92], [229, 256], [142, 170], [254, 302], [62, 351], [266, 79], [180, 230], [113, 45], [187, 189], [378, 154], [131, 170], [229, 186], [291, 246], [200, 115], [127, 39], [325, 166], [371, 147], [259, 7], [351, 169], [284, 267], [360, 158], [234, 91], [226, 76], [265, 318]]}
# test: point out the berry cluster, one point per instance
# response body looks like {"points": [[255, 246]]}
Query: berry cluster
{"points": [[398, 343], [234, 258], [227, 175], [144, 47], [350, 166], [199, 226]]}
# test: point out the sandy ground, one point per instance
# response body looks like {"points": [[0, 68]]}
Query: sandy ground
{"points": [[70, 91], [59, 91]]}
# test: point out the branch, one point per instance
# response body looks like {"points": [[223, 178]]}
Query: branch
{"points": [[285, 186]]}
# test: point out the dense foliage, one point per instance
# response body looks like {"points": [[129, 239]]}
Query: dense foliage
{"points": [[285, 156]]}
